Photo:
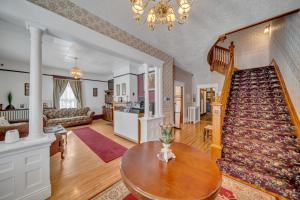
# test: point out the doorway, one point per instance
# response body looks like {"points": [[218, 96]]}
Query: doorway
{"points": [[207, 96], [178, 105]]}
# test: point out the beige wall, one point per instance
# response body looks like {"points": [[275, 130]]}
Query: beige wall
{"points": [[285, 49], [187, 78]]}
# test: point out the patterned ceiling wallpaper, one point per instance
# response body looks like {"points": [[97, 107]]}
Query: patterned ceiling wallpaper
{"points": [[81, 16]]}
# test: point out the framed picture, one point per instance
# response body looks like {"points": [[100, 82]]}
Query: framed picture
{"points": [[151, 81], [123, 88], [95, 92], [26, 89], [118, 89]]}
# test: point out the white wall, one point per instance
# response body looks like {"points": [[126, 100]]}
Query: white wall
{"points": [[285, 49], [251, 47], [254, 48], [126, 74], [14, 82]]}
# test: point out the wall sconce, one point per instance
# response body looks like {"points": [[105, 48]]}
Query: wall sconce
{"points": [[267, 29]]}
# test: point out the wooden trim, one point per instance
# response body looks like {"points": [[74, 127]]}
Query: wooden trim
{"points": [[152, 71], [65, 78], [219, 107], [52, 75], [125, 75], [98, 117], [263, 21], [288, 100], [223, 48], [279, 197]]}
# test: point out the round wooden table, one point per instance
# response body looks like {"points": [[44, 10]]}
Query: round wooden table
{"points": [[192, 175]]}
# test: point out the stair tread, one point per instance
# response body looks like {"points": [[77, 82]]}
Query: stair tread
{"points": [[273, 184], [262, 136], [259, 125], [282, 118], [259, 119], [259, 141], [229, 138], [284, 133]]}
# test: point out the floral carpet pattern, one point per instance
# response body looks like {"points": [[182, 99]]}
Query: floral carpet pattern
{"points": [[260, 144], [230, 190]]}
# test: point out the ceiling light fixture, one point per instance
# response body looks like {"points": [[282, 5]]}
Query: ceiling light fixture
{"points": [[267, 29], [162, 12], [75, 71]]}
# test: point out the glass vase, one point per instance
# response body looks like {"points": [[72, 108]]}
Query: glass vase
{"points": [[167, 137]]}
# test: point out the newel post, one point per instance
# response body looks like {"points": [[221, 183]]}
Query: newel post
{"points": [[231, 51], [216, 146]]}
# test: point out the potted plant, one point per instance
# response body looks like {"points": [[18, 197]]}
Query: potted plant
{"points": [[9, 99]]}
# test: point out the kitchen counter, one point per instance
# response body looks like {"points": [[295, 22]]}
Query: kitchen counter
{"points": [[126, 125]]}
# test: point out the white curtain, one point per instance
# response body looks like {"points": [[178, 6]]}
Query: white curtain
{"points": [[68, 99]]}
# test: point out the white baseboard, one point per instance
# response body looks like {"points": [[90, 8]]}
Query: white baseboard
{"points": [[42, 194]]}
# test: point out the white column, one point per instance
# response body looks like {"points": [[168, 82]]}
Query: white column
{"points": [[35, 97], [160, 83], [146, 90], [157, 103]]}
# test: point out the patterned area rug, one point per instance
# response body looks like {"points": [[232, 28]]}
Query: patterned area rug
{"points": [[231, 190], [259, 140]]}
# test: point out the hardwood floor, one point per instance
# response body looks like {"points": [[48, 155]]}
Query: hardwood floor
{"points": [[82, 174]]}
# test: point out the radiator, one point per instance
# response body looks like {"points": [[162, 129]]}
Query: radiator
{"points": [[15, 115]]}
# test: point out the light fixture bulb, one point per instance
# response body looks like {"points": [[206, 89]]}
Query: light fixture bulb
{"points": [[184, 4], [182, 11], [171, 16], [151, 18], [267, 29]]}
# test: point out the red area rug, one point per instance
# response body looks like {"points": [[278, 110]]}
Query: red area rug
{"points": [[104, 147]]}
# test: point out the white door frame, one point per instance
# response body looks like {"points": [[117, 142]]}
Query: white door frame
{"points": [[203, 86], [181, 84]]}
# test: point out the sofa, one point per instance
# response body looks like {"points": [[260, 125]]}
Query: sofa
{"points": [[67, 117]]}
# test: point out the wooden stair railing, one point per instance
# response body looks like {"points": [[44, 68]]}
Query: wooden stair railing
{"points": [[210, 53], [219, 58], [219, 108]]}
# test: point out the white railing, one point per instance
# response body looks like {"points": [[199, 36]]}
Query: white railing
{"points": [[15, 115]]}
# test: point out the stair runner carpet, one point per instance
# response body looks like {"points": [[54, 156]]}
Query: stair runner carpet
{"points": [[259, 141]]}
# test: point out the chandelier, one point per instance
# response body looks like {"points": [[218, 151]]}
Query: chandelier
{"points": [[75, 72], [162, 12]]}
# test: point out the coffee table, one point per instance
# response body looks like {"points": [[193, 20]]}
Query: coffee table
{"points": [[57, 129], [192, 175], [58, 144]]}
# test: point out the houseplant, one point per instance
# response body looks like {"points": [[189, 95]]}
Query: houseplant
{"points": [[9, 99]]}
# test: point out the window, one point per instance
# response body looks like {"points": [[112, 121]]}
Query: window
{"points": [[68, 99]]}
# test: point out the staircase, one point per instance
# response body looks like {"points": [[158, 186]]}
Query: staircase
{"points": [[258, 137]]}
